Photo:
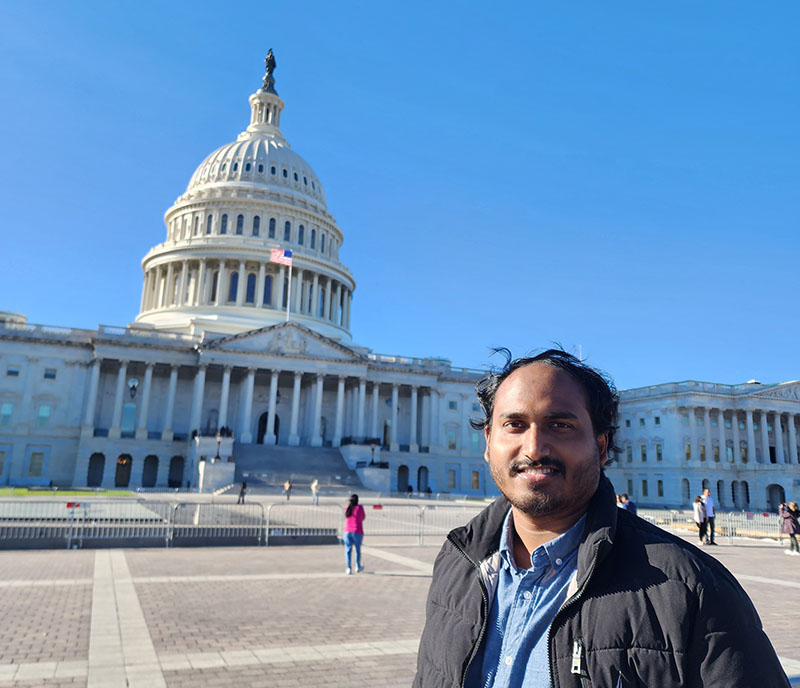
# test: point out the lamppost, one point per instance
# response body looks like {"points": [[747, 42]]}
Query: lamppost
{"points": [[372, 462], [219, 441]]}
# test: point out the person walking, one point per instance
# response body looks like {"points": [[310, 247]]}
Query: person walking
{"points": [[315, 492], [353, 533], [700, 517], [287, 489], [242, 493], [627, 504], [789, 514], [708, 500]]}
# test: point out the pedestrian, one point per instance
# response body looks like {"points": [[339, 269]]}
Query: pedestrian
{"points": [[789, 514], [315, 491], [353, 533], [708, 500], [627, 504], [619, 500], [287, 489], [242, 493], [553, 585], [700, 517]]}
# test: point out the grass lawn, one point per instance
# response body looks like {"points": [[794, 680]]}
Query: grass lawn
{"points": [[61, 492]]}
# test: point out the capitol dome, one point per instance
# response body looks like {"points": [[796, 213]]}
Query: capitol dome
{"points": [[248, 199]]}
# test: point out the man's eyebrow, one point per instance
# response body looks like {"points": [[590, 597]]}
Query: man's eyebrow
{"points": [[553, 415]]}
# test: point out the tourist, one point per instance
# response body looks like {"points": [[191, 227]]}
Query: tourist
{"points": [[353, 533], [287, 489], [315, 491], [242, 493], [700, 517], [789, 514], [708, 501], [627, 504]]}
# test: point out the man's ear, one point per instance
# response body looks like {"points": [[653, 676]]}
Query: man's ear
{"points": [[486, 433], [602, 446]]}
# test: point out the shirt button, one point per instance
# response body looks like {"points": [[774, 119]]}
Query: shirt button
{"points": [[558, 562], [527, 594], [509, 660]]}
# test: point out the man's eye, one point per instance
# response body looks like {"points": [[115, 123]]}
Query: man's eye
{"points": [[561, 426], [513, 424]]}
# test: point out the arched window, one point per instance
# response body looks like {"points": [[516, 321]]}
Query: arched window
{"points": [[256, 225], [272, 170], [322, 242], [285, 173], [247, 167], [313, 186], [196, 225], [295, 177], [305, 181], [233, 286], [287, 231], [260, 169], [240, 224], [300, 232], [235, 166], [223, 227], [175, 476], [268, 290], [214, 281], [313, 237], [250, 294], [97, 464], [272, 228], [208, 225], [122, 476], [150, 471]]}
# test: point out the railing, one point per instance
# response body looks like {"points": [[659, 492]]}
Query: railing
{"points": [[729, 524]]}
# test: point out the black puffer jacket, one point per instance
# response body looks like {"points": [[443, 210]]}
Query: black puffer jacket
{"points": [[645, 609]]}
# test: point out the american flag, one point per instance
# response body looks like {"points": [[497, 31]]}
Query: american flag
{"points": [[279, 255]]}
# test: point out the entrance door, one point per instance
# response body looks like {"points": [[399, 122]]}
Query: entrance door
{"points": [[175, 478], [122, 477], [150, 471], [402, 479], [775, 497], [422, 479], [97, 464], [262, 428]]}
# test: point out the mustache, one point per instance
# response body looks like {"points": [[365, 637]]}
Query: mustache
{"points": [[543, 462]]}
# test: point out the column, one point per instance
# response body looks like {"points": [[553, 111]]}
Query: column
{"points": [[241, 286], [200, 298], [197, 398], [425, 414], [737, 450], [91, 402], [722, 446], [362, 404], [792, 439], [166, 433], [262, 275], [465, 426], [269, 437], [145, 287], [316, 434], [336, 299], [141, 426], [434, 418], [180, 297], [224, 395], [315, 296], [779, 453], [374, 425], [247, 406], [294, 438], [345, 307], [169, 291], [707, 428], [337, 433], [328, 299], [116, 418], [222, 296], [751, 437], [764, 438], [393, 444], [297, 289], [413, 445]]}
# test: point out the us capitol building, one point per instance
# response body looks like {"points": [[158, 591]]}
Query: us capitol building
{"points": [[213, 368]]}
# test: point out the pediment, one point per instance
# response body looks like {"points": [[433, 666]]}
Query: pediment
{"points": [[287, 339], [787, 391]]}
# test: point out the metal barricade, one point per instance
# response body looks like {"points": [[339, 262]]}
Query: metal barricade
{"points": [[286, 520], [122, 520], [196, 523], [36, 520], [439, 520], [389, 520]]}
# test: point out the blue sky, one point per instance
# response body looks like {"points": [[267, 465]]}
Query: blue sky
{"points": [[620, 177]]}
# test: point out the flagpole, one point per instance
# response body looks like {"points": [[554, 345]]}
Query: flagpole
{"points": [[289, 293]]}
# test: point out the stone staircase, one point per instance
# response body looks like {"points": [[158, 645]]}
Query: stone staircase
{"points": [[268, 465]]}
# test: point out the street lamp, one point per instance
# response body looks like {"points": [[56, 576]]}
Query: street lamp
{"points": [[219, 441]]}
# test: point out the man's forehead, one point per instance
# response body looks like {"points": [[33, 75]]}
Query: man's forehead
{"points": [[542, 381]]}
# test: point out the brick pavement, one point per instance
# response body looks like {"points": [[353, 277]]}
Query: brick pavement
{"points": [[279, 616]]}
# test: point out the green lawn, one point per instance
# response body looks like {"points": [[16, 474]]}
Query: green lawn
{"points": [[61, 492]]}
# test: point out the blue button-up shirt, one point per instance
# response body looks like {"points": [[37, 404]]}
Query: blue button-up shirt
{"points": [[524, 606]]}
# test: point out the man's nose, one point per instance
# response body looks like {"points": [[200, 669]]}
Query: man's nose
{"points": [[535, 443]]}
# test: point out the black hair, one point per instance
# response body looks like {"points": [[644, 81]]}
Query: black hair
{"points": [[602, 400], [352, 504]]}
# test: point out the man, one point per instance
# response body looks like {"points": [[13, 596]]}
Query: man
{"points": [[627, 504], [315, 492], [708, 500], [552, 585]]}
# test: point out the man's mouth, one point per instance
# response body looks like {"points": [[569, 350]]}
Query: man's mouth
{"points": [[536, 472]]}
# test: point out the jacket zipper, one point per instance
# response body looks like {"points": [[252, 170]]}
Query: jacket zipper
{"points": [[485, 623]]}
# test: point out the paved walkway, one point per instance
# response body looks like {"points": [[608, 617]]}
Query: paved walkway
{"points": [[280, 616]]}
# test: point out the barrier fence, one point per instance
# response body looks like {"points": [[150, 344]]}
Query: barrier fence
{"points": [[75, 524]]}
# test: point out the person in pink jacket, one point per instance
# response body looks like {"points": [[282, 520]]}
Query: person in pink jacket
{"points": [[353, 532]]}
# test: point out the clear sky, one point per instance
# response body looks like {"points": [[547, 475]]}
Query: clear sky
{"points": [[620, 177]]}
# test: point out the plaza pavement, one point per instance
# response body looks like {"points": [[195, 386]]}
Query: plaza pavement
{"points": [[258, 616]]}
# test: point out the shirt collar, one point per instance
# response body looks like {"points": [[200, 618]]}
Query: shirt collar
{"points": [[557, 551]]}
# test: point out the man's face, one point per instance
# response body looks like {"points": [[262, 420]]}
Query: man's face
{"points": [[706, 492], [541, 449]]}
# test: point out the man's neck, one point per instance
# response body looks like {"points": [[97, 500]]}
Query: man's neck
{"points": [[532, 532]]}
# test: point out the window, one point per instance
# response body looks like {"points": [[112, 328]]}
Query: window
{"points": [[644, 488], [35, 464], [295, 177], [223, 227], [741, 425], [233, 286], [247, 167], [452, 405], [313, 237], [235, 166], [629, 454], [451, 439], [322, 243], [287, 231], [643, 453], [208, 225], [128, 419], [214, 281], [713, 422], [224, 166], [452, 479], [657, 421], [305, 181], [240, 224], [627, 422], [641, 422], [12, 371], [49, 373], [476, 480], [659, 453], [729, 454], [313, 186], [256, 225], [660, 488], [268, 290], [630, 487], [43, 418], [755, 425], [688, 451], [285, 173], [728, 423], [272, 169], [716, 454], [321, 313], [260, 169], [6, 409], [702, 452], [300, 233], [250, 294], [271, 228], [769, 426], [196, 225], [475, 439], [744, 455], [700, 421]]}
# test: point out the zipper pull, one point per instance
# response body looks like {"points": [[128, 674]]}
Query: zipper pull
{"points": [[577, 651]]}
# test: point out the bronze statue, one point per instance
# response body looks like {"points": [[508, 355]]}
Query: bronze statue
{"points": [[269, 80]]}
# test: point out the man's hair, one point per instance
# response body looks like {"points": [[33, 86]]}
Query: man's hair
{"points": [[624, 496], [602, 400]]}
